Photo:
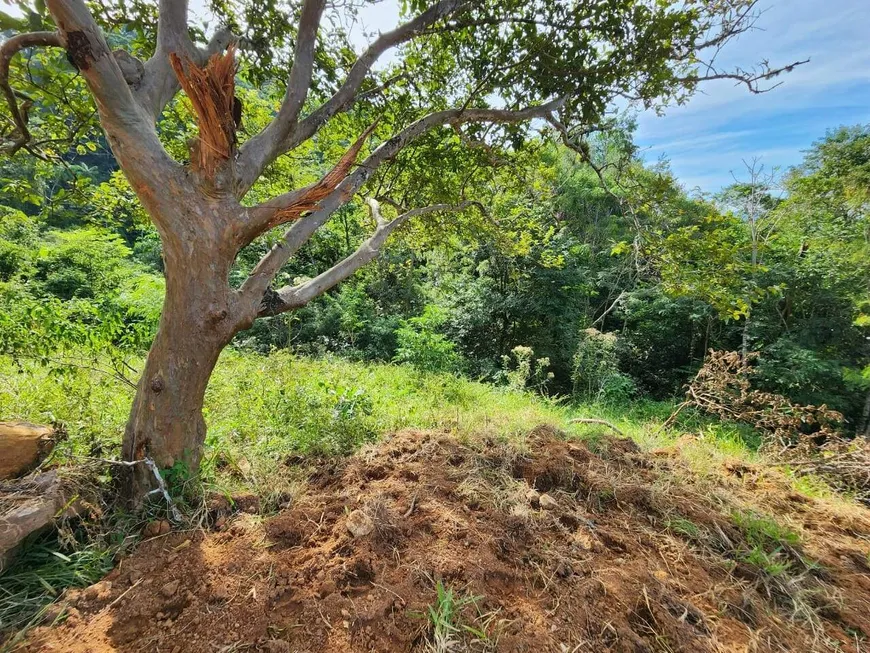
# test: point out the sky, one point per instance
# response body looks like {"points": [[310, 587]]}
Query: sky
{"points": [[707, 140]]}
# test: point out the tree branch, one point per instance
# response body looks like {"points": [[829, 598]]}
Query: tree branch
{"points": [[159, 84], [752, 79], [19, 115], [290, 206], [255, 286], [291, 297], [157, 179], [263, 149], [266, 146]]}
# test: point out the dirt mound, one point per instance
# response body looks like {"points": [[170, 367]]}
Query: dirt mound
{"points": [[424, 543]]}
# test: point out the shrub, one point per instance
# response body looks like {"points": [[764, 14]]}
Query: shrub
{"points": [[421, 344], [596, 370], [529, 372]]}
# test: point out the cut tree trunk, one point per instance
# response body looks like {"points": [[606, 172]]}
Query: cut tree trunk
{"points": [[23, 447], [29, 506]]}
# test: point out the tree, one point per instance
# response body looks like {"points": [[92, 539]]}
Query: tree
{"points": [[754, 202], [485, 69]]}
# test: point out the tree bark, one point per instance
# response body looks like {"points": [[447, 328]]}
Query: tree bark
{"points": [[200, 316]]}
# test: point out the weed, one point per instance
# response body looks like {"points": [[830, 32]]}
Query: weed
{"points": [[684, 527], [764, 532], [446, 621]]}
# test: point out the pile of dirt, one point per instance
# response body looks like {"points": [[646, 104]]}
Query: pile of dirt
{"points": [[552, 547]]}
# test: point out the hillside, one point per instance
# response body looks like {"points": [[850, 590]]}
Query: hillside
{"points": [[683, 539]]}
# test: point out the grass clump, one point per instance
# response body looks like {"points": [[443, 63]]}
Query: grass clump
{"points": [[47, 565], [771, 546], [684, 527], [764, 531], [448, 629]]}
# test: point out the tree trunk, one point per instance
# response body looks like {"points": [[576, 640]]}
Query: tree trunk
{"points": [[864, 427], [198, 320], [744, 341]]}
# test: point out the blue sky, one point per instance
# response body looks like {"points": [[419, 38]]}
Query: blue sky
{"points": [[709, 137]]}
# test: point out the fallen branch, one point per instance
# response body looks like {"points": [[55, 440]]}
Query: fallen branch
{"points": [[592, 420]]}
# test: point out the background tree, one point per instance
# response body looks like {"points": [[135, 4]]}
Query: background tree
{"points": [[478, 70]]}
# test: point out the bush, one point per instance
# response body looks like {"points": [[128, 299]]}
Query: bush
{"points": [[529, 372], [421, 345], [18, 235]]}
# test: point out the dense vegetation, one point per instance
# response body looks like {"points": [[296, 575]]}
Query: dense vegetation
{"points": [[574, 288]]}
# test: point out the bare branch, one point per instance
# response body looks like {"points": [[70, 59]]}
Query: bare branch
{"points": [[297, 235], [751, 78], [19, 113], [291, 297], [261, 150], [153, 174]]}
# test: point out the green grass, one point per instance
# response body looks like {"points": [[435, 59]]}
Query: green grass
{"points": [[44, 568], [262, 409], [684, 527], [447, 621], [770, 543], [279, 404], [763, 530]]}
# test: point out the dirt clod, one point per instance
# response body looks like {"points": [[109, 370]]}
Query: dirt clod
{"points": [[169, 589]]}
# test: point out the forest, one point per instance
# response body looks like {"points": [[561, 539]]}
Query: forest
{"points": [[333, 355]]}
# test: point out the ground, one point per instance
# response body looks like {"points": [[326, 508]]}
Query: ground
{"points": [[426, 542]]}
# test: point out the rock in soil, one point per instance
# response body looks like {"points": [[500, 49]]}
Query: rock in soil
{"points": [[547, 502], [359, 524]]}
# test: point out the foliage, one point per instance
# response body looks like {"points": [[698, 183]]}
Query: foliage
{"points": [[446, 619], [522, 370], [421, 345], [595, 364]]}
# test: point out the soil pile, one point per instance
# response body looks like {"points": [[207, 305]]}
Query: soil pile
{"points": [[552, 547]]}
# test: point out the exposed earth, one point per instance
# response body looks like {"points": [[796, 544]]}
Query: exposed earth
{"points": [[565, 549]]}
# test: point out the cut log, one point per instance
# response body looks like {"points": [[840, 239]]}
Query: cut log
{"points": [[22, 447], [28, 506]]}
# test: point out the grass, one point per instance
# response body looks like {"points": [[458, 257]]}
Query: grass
{"points": [[45, 567], [447, 624], [269, 406], [764, 531], [260, 410]]}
